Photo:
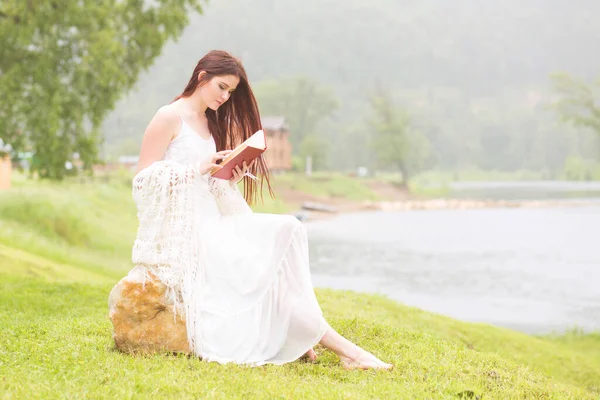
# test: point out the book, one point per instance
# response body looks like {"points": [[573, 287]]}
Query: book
{"points": [[249, 150]]}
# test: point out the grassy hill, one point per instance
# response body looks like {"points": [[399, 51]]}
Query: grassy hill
{"points": [[63, 246]]}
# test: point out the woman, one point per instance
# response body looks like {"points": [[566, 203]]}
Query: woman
{"points": [[241, 279]]}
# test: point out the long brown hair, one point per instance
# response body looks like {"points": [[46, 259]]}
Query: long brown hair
{"points": [[237, 119]]}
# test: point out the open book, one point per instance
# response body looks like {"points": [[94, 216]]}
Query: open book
{"points": [[250, 149]]}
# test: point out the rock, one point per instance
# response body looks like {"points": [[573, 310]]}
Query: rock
{"points": [[142, 317]]}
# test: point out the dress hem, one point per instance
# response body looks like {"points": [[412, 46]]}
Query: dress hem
{"points": [[281, 268], [221, 360]]}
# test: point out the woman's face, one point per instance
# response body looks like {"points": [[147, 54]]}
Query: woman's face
{"points": [[218, 90]]}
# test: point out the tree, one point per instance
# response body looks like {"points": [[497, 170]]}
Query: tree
{"points": [[64, 64], [396, 143], [578, 103], [300, 100], [317, 148]]}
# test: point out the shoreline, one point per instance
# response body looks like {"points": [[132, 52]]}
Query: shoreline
{"points": [[306, 204], [338, 207]]}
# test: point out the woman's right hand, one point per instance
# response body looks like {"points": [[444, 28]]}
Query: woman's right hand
{"points": [[205, 167]]}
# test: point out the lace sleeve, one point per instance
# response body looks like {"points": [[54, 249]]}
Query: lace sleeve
{"points": [[167, 198], [229, 199]]}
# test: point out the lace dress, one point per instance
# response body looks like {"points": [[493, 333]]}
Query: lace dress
{"points": [[255, 303]]}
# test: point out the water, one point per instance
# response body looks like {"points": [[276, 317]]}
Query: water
{"points": [[534, 270]]}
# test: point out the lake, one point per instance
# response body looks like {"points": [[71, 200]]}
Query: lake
{"points": [[534, 270]]}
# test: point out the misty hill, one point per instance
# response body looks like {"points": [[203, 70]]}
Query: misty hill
{"points": [[474, 74]]}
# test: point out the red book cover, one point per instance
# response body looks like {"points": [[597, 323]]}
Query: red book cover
{"points": [[252, 148]]}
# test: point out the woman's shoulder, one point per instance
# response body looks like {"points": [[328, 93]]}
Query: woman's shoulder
{"points": [[167, 113], [166, 119]]}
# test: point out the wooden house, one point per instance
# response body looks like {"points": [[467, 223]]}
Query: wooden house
{"points": [[279, 149]]}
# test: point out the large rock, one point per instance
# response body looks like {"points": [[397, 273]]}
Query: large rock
{"points": [[143, 318]]}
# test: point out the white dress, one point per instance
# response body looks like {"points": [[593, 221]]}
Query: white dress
{"points": [[257, 304]]}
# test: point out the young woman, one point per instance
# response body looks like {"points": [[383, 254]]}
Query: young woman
{"points": [[241, 279]]}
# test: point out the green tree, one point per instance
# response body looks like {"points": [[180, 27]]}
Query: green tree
{"points": [[64, 64], [302, 102], [395, 141], [317, 148], [578, 102]]}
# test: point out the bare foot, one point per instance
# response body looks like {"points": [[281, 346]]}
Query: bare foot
{"points": [[310, 355], [364, 361]]}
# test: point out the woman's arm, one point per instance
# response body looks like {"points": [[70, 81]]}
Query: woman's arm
{"points": [[158, 135]]}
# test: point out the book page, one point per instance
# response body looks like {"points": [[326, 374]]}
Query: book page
{"points": [[257, 140]]}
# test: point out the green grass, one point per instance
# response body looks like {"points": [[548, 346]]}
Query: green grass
{"points": [[326, 184], [575, 170], [436, 183], [18, 262], [272, 205], [57, 268], [91, 225], [56, 343], [476, 174], [322, 186]]}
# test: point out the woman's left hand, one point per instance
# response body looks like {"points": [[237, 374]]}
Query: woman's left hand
{"points": [[239, 172]]}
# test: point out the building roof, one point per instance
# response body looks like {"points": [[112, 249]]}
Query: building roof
{"points": [[274, 123]]}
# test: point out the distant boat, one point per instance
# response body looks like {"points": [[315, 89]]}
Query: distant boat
{"points": [[318, 207]]}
